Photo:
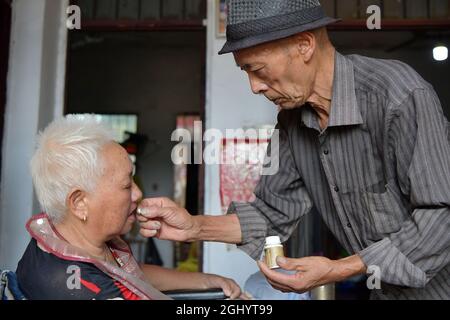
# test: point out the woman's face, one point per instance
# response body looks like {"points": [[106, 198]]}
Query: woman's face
{"points": [[112, 206]]}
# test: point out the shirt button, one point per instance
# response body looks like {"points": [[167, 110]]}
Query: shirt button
{"points": [[326, 152], [349, 225], [336, 189]]}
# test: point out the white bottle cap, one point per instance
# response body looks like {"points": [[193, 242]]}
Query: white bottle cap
{"points": [[273, 241]]}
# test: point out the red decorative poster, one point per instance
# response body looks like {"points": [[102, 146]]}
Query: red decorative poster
{"points": [[240, 169]]}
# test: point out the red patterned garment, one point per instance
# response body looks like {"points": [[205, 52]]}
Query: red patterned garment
{"points": [[52, 269]]}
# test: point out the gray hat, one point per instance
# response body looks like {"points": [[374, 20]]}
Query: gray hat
{"points": [[253, 22]]}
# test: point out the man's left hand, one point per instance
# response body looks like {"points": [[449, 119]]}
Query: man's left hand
{"points": [[310, 273]]}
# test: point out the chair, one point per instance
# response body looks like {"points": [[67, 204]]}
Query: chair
{"points": [[192, 295], [10, 290], [9, 287]]}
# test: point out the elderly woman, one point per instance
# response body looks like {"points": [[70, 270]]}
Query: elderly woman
{"points": [[84, 183]]}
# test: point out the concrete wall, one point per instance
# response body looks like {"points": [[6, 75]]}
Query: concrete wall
{"points": [[35, 91]]}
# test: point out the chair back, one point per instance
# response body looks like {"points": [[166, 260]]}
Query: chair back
{"points": [[9, 286]]}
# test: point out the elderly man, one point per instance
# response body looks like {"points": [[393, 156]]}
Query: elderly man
{"points": [[361, 139]]}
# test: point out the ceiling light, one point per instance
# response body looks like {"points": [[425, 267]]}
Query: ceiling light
{"points": [[440, 53]]}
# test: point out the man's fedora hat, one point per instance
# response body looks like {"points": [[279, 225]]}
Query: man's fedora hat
{"points": [[253, 22]]}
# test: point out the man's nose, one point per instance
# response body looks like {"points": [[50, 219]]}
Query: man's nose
{"points": [[257, 85]]}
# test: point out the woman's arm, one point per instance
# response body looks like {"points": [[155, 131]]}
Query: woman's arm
{"points": [[165, 279]]}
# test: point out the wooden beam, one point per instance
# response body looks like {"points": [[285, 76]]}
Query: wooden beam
{"points": [[393, 25], [142, 25]]}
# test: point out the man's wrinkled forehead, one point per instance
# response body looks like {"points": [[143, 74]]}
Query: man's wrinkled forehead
{"points": [[247, 57]]}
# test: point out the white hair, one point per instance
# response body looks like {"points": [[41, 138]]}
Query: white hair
{"points": [[67, 157]]}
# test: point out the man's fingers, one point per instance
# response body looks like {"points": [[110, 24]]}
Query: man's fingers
{"points": [[148, 212], [277, 277], [157, 202], [279, 287], [148, 233], [151, 225], [141, 218], [285, 285], [154, 212], [288, 264]]}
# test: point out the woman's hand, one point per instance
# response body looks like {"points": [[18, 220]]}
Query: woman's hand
{"points": [[230, 288]]}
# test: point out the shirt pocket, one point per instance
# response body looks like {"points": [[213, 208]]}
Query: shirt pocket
{"points": [[384, 212]]}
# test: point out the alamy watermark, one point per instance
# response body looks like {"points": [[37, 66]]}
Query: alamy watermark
{"points": [[374, 20], [74, 280], [74, 17], [267, 155], [374, 278]]}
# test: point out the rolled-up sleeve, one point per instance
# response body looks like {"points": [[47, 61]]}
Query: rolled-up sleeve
{"points": [[419, 140], [281, 199]]}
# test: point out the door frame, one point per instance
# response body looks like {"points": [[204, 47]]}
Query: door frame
{"points": [[5, 35]]}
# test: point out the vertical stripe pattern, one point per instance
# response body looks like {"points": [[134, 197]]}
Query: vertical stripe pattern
{"points": [[379, 175]]}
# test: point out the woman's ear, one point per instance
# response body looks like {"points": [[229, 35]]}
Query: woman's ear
{"points": [[306, 44], [77, 204]]}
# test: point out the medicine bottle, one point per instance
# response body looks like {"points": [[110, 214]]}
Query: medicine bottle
{"points": [[272, 250]]}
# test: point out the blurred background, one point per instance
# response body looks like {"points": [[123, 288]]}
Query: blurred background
{"points": [[147, 67]]}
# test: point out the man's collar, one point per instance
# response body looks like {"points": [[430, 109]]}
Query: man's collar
{"points": [[344, 107], [310, 118]]}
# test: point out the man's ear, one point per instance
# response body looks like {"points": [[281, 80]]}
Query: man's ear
{"points": [[306, 44], [77, 204]]}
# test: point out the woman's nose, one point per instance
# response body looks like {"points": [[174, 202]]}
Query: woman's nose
{"points": [[136, 193]]}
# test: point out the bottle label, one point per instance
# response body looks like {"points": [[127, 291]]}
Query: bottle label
{"points": [[271, 255]]}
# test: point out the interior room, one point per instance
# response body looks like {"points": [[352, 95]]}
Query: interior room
{"points": [[146, 68]]}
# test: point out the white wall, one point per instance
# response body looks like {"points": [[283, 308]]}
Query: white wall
{"points": [[35, 91], [230, 104]]}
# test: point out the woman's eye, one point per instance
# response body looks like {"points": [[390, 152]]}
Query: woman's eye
{"points": [[259, 70]]}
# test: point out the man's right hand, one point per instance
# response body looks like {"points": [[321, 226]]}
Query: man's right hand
{"points": [[162, 218]]}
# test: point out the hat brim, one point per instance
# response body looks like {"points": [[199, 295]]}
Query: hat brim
{"points": [[232, 46]]}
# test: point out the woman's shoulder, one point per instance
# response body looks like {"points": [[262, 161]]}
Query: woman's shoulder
{"points": [[44, 276]]}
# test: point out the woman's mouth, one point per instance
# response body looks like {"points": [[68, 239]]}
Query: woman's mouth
{"points": [[133, 212], [131, 218]]}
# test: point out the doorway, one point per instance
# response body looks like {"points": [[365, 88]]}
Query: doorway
{"points": [[154, 77]]}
